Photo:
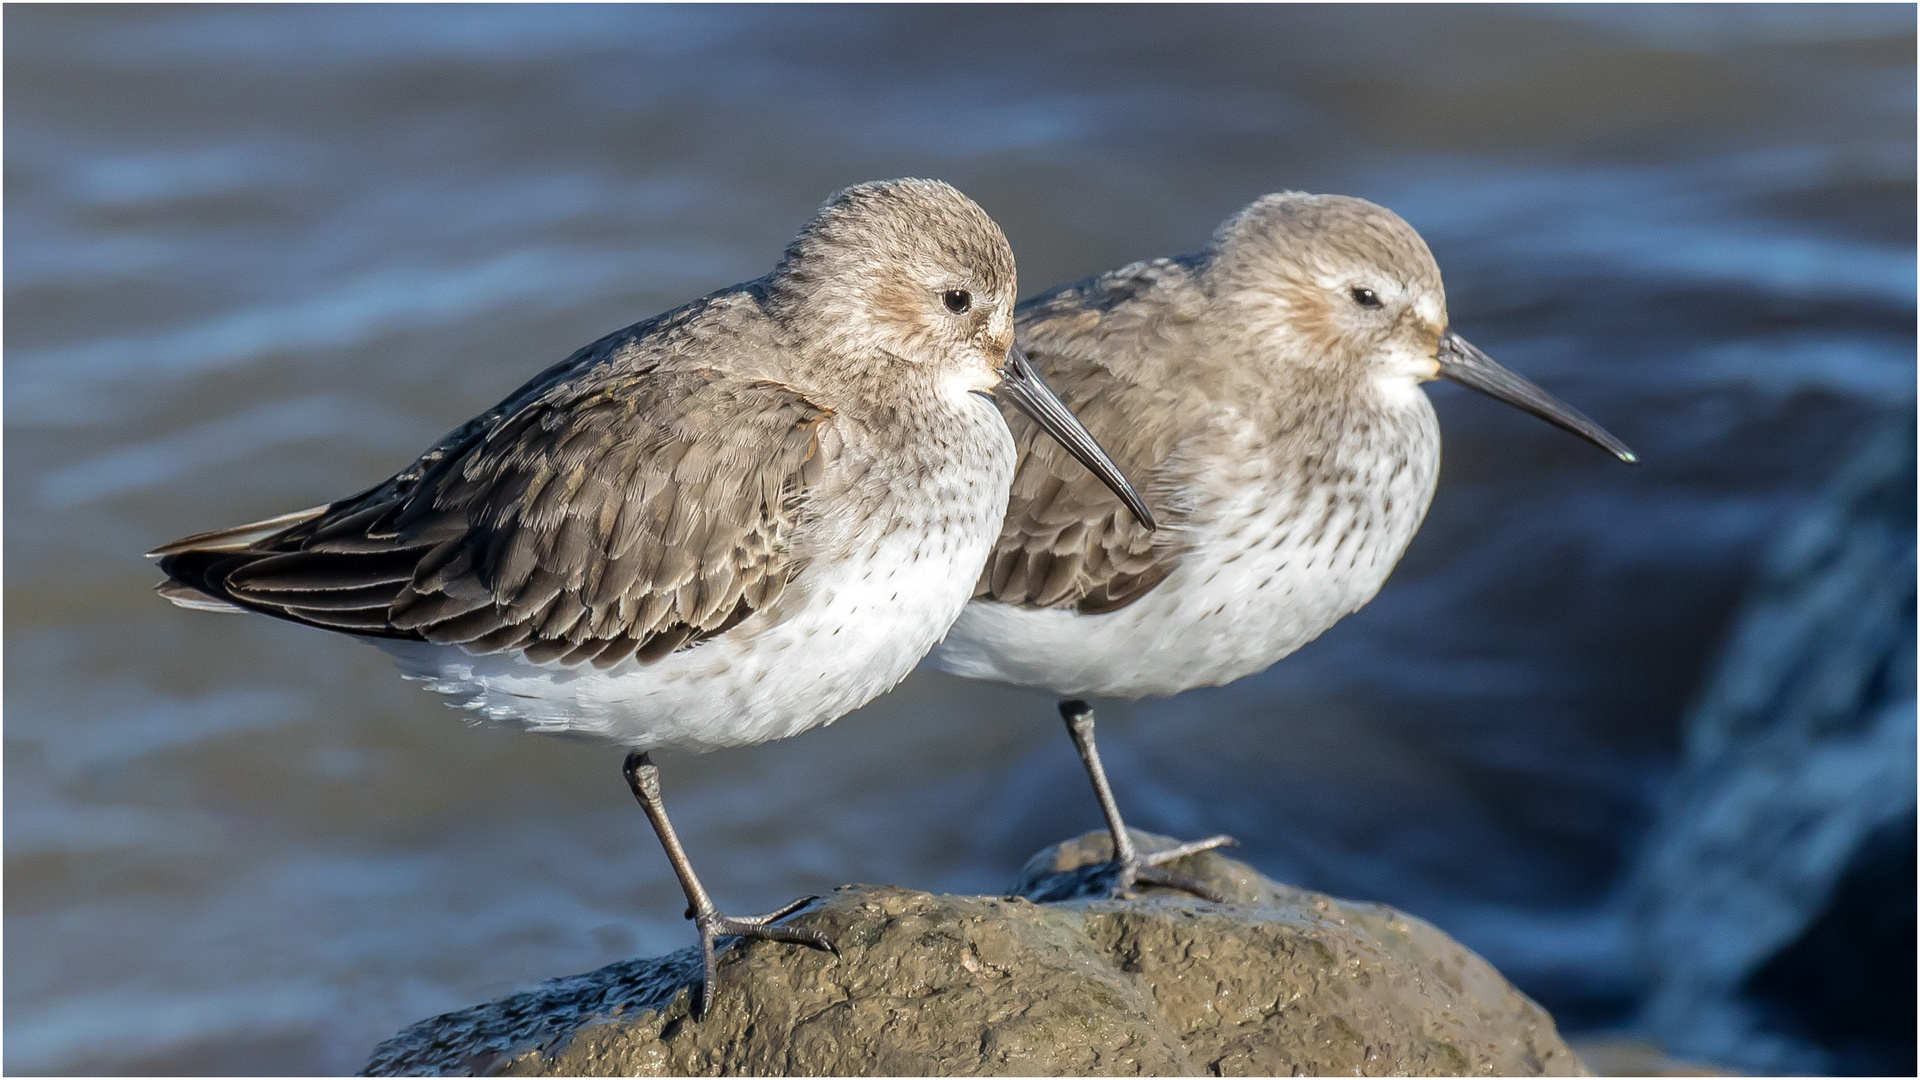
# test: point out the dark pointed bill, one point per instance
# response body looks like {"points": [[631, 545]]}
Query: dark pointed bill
{"points": [[1022, 385], [1461, 362]]}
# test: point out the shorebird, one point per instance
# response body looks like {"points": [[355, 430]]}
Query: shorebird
{"points": [[723, 525], [1265, 395]]}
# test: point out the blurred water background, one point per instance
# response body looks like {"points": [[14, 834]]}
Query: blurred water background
{"points": [[258, 257]]}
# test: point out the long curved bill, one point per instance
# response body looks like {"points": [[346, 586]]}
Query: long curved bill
{"points": [[1465, 364], [1022, 385]]}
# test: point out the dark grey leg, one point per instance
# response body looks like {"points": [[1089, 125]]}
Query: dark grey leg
{"points": [[643, 776], [1131, 866]]}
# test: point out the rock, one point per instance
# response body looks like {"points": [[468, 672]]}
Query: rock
{"points": [[1616, 1056], [1774, 900], [1278, 981]]}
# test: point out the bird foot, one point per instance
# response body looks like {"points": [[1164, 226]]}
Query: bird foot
{"points": [[1149, 869], [713, 926]]}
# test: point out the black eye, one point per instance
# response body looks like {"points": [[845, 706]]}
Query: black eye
{"points": [[1364, 296], [957, 300]]}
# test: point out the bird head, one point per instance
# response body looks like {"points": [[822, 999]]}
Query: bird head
{"points": [[908, 276], [1346, 294], [912, 281]]}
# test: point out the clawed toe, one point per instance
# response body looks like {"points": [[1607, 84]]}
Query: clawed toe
{"points": [[1150, 869], [793, 935], [716, 926], [1195, 847], [761, 926]]}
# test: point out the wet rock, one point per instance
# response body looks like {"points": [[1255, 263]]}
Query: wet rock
{"points": [[1278, 981], [1775, 898]]}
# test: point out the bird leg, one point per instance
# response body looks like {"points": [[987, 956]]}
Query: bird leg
{"points": [[1131, 867], [643, 776]]}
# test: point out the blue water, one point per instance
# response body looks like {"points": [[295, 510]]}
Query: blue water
{"points": [[258, 257]]}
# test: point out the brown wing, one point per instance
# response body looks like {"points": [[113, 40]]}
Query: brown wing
{"points": [[1067, 540], [612, 515]]}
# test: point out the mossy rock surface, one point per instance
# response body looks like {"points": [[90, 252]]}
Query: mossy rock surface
{"points": [[1277, 981]]}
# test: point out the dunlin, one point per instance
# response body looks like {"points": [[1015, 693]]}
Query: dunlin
{"points": [[726, 524], [1265, 394]]}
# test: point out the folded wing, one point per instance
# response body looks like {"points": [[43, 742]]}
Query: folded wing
{"points": [[612, 515], [1067, 540]]}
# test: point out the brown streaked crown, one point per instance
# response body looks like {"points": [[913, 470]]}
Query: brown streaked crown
{"points": [[912, 269], [1289, 271]]}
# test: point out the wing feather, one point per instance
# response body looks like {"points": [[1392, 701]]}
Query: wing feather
{"points": [[1067, 541], [608, 516]]}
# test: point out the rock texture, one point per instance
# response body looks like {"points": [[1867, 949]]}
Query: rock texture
{"points": [[1278, 981]]}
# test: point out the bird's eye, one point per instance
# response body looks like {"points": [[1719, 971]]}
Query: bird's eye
{"points": [[957, 300], [1364, 296]]}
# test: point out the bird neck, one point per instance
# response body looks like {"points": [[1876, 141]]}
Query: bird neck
{"points": [[1321, 432]]}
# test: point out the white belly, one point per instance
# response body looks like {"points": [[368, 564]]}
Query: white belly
{"points": [[1261, 578], [848, 629]]}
